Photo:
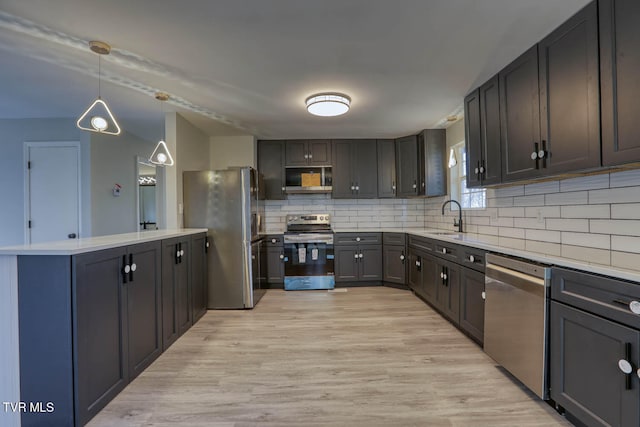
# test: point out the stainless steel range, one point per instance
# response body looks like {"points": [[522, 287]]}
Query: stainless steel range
{"points": [[309, 257]]}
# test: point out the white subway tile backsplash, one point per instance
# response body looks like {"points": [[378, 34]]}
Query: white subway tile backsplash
{"points": [[615, 195], [511, 212], [568, 224], [591, 218], [615, 226], [626, 244], [545, 211], [625, 260], [515, 233], [528, 223], [625, 178], [543, 247], [625, 211], [600, 241], [536, 200], [571, 198], [581, 253], [586, 211], [542, 188], [542, 235], [592, 182], [516, 190]]}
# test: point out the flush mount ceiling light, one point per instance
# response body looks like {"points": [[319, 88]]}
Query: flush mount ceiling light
{"points": [[98, 117], [161, 155], [328, 104]]}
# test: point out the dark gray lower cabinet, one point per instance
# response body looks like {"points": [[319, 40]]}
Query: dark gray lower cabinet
{"points": [[358, 262], [585, 375], [395, 264], [101, 332], [199, 275], [346, 263], [423, 269], [275, 265], [472, 303], [176, 301], [448, 290]]}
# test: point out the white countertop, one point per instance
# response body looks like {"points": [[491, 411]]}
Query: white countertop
{"points": [[490, 243], [91, 244]]}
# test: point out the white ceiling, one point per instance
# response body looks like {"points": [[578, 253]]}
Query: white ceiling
{"points": [[246, 66]]}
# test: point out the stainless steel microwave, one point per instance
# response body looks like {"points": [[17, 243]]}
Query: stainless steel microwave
{"points": [[308, 180]]}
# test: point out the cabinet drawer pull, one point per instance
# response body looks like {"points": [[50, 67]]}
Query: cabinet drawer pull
{"points": [[358, 239], [472, 258], [444, 250], [633, 306]]}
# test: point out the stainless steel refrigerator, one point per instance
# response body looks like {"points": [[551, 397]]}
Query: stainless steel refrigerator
{"points": [[228, 203]]}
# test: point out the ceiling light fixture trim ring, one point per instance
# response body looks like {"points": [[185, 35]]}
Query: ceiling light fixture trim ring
{"points": [[328, 104]]}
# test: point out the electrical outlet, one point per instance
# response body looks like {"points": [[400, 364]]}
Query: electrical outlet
{"points": [[539, 216]]}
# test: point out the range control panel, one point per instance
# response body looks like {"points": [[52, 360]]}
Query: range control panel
{"points": [[313, 219]]}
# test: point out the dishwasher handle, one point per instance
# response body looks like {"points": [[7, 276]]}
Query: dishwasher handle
{"points": [[531, 284]]}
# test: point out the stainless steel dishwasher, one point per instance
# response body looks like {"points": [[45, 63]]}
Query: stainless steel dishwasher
{"points": [[516, 317]]}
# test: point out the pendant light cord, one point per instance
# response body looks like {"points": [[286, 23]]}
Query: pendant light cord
{"points": [[99, 73]]}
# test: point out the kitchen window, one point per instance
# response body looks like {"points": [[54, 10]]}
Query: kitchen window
{"points": [[469, 198]]}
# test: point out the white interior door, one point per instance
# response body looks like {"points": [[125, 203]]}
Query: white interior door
{"points": [[53, 191]]}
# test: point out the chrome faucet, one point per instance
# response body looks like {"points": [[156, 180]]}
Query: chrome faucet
{"points": [[458, 222]]}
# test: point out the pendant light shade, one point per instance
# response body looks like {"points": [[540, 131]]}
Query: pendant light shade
{"points": [[161, 155], [98, 117]]}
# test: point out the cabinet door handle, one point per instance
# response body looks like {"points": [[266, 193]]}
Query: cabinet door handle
{"points": [[477, 170], [125, 269], [393, 187], [356, 255], [310, 156], [306, 156], [484, 295], [177, 248], [482, 168], [360, 256], [353, 187], [442, 274], [634, 306], [419, 264], [131, 269], [283, 189], [625, 366], [206, 245], [357, 188], [282, 256], [402, 258], [415, 185], [274, 240]]}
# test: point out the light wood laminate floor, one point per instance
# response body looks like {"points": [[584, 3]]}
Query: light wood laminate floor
{"points": [[366, 357]]}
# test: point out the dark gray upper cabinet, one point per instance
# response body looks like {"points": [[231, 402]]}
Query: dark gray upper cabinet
{"points": [[308, 153], [570, 95], [386, 168], [355, 169], [619, 65], [473, 138], [520, 117], [271, 161], [482, 130], [407, 166], [432, 145]]}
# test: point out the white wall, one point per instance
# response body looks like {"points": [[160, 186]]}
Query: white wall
{"points": [[192, 152], [229, 151], [13, 135], [113, 160]]}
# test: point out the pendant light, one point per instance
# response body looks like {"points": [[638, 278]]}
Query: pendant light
{"points": [[161, 155], [98, 117]]}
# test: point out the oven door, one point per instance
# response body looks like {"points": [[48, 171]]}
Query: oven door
{"points": [[309, 261]]}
